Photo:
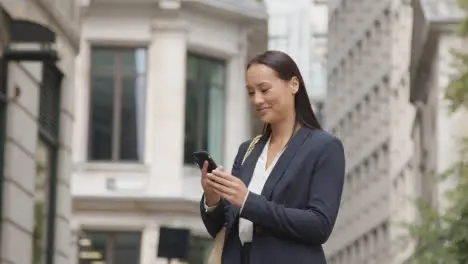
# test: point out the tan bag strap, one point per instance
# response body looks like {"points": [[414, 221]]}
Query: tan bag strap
{"points": [[251, 146]]}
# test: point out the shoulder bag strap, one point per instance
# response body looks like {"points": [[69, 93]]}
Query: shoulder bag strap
{"points": [[251, 146]]}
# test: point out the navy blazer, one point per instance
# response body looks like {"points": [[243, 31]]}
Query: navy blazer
{"points": [[298, 206]]}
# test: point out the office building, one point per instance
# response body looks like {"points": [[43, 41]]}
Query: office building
{"points": [[38, 43], [318, 56], [300, 30], [437, 132], [155, 82], [368, 107]]}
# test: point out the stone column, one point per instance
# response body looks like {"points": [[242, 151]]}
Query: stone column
{"points": [[17, 222], [149, 243], [63, 212], [82, 94], [237, 122], [166, 106], [74, 242]]}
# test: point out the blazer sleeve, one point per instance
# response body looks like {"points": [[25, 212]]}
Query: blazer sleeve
{"points": [[215, 219], [314, 223]]}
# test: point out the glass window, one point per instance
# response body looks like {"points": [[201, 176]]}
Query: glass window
{"points": [[96, 247], [200, 248], [278, 29], [204, 107], [278, 43], [49, 97], [118, 91]]}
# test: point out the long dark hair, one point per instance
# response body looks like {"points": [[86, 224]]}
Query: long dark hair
{"points": [[286, 69]]}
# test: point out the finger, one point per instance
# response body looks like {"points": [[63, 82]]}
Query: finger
{"points": [[220, 169], [222, 174], [203, 180], [227, 177], [205, 167], [220, 180], [221, 189], [225, 196]]}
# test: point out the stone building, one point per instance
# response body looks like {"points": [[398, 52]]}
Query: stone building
{"points": [[437, 132], [39, 40], [155, 82], [367, 106]]}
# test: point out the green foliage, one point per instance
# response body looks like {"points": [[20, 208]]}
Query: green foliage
{"points": [[442, 237], [38, 233], [457, 91]]}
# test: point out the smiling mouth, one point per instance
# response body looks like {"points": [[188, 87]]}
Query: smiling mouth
{"points": [[262, 109]]}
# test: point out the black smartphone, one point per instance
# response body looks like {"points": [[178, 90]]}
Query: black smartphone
{"points": [[201, 156]]}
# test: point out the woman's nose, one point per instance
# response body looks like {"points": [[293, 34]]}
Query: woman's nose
{"points": [[257, 99]]}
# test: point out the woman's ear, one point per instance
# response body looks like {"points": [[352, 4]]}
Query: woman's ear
{"points": [[294, 85]]}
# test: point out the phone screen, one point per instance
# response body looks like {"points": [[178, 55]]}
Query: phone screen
{"points": [[201, 156]]}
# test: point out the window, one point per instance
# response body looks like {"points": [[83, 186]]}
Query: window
{"points": [[200, 248], [109, 247], [45, 195], [278, 28], [118, 91], [204, 107]]}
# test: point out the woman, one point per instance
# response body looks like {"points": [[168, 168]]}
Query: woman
{"points": [[280, 205]]}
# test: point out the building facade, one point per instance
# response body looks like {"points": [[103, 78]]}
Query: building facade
{"points": [[437, 131], [367, 107], [167, 81], [38, 43], [289, 31], [318, 56], [300, 31]]}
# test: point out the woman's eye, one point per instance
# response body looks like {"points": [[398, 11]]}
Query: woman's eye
{"points": [[265, 90]]}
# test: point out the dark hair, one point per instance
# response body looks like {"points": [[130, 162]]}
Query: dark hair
{"points": [[286, 69]]}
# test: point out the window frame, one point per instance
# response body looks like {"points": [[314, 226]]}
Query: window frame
{"points": [[51, 140], [117, 102], [110, 242], [224, 62]]}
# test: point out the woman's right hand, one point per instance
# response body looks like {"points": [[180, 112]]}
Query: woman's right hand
{"points": [[211, 197]]}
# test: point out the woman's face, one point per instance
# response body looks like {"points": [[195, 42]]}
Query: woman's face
{"points": [[271, 97]]}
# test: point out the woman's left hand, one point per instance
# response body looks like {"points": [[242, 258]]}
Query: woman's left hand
{"points": [[229, 187]]}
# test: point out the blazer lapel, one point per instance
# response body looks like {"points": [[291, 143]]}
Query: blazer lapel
{"points": [[282, 164]]}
